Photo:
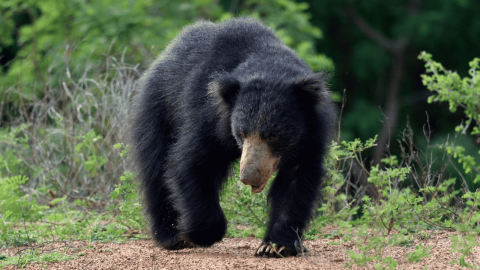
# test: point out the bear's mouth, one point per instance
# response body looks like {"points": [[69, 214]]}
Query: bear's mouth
{"points": [[257, 189]]}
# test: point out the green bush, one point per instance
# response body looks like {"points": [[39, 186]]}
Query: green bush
{"points": [[461, 93]]}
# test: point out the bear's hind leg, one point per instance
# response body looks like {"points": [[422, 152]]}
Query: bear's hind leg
{"points": [[150, 139], [162, 217], [195, 176]]}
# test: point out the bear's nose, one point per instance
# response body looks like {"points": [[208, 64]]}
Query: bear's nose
{"points": [[250, 176]]}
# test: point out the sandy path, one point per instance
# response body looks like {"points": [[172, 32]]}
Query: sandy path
{"points": [[232, 253]]}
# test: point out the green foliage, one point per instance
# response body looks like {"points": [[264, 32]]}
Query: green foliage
{"points": [[10, 163], [66, 143], [82, 31], [246, 212], [387, 180], [421, 251], [459, 93], [464, 243], [77, 220], [407, 211], [338, 157], [14, 205], [32, 256], [130, 209], [93, 162]]}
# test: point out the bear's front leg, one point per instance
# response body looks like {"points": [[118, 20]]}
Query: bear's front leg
{"points": [[293, 199]]}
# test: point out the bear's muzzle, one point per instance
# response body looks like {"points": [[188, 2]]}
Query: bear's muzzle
{"points": [[257, 163]]}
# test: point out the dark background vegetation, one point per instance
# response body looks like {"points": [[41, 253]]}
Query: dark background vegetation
{"points": [[375, 44], [371, 48]]}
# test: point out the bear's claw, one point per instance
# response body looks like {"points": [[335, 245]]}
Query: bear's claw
{"points": [[273, 250], [270, 250]]}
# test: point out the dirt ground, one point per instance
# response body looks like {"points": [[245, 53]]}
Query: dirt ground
{"points": [[233, 253]]}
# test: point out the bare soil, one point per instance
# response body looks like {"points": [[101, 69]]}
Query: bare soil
{"points": [[235, 253]]}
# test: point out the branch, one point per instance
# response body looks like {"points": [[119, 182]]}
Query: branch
{"points": [[391, 45]]}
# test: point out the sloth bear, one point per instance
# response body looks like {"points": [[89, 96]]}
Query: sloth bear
{"points": [[219, 92]]}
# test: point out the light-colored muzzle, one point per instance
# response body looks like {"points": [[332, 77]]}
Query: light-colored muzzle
{"points": [[257, 163]]}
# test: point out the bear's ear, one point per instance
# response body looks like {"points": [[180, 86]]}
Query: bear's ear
{"points": [[312, 88], [224, 89]]}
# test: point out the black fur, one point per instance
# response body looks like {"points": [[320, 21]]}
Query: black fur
{"points": [[211, 84]]}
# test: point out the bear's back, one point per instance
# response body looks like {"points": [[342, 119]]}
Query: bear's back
{"points": [[221, 46]]}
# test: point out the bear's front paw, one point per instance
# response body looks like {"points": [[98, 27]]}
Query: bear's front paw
{"points": [[279, 251]]}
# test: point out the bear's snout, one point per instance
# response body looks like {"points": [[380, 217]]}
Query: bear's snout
{"points": [[257, 163], [252, 177]]}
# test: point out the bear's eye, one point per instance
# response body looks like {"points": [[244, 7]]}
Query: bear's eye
{"points": [[242, 135]]}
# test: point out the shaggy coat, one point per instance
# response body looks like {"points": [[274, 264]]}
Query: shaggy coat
{"points": [[214, 87]]}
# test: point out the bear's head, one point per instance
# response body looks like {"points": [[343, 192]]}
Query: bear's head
{"points": [[268, 119]]}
